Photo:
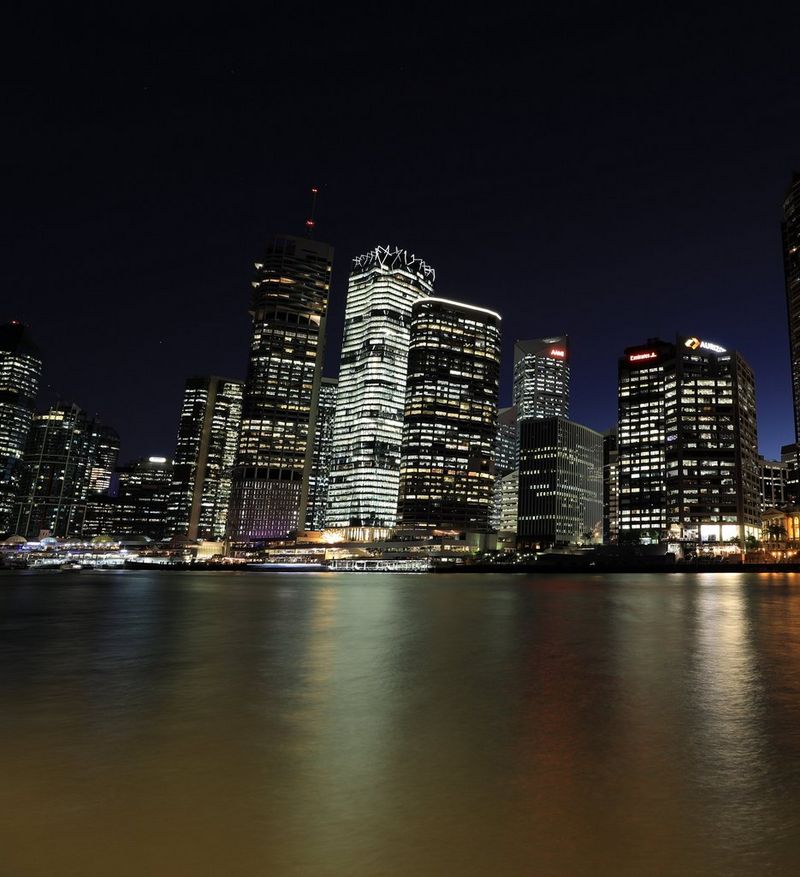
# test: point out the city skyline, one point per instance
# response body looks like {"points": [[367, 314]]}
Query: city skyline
{"points": [[579, 180]]}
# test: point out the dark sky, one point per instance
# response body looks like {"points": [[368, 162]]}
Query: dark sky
{"points": [[609, 173]]}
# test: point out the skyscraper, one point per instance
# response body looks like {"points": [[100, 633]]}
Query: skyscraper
{"points": [[610, 487], [790, 228], [55, 483], [541, 377], [20, 373], [368, 426], [142, 498], [319, 479], [104, 451], [688, 458], [449, 430], [560, 482], [506, 461], [208, 433], [273, 460]]}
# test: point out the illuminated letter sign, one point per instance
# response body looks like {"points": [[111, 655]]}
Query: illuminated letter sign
{"points": [[638, 357], [694, 343], [555, 351]]}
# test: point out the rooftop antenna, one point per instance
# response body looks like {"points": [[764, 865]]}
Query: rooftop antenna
{"points": [[310, 221]]}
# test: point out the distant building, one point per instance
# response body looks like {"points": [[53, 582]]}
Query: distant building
{"points": [[790, 455], [20, 374], [773, 477], [273, 461], [143, 497], [507, 493], [610, 487], [560, 483], [541, 377], [506, 460], [104, 441], [319, 478], [55, 482], [368, 426], [790, 228], [449, 428], [208, 433], [688, 459]]}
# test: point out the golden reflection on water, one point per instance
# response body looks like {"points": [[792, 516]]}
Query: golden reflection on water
{"points": [[391, 725]]}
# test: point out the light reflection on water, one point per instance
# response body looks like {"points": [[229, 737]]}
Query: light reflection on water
{"points": [[180, 723]]}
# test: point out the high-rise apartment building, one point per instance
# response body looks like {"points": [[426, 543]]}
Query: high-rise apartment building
{"points": [[319, 478], [368, 426], [688, 459], [450, 425], [541, 377], [55, 482], [790, 228], [273, 460], [143, 497], [560, 483], [208, 433], [20, 373]]}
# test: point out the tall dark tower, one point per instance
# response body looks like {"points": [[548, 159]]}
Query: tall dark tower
{"points": [[273, 461], [791, 261], [20, 372]]}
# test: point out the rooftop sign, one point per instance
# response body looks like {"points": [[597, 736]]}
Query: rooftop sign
{"points": [[645, 354], [695, 343]]}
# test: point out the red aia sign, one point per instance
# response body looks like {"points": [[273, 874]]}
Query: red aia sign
{"points": [[557, 351]]}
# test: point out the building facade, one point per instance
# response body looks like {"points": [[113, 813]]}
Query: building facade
{"points": [[208, 434], [450, 424], [506, 460], [688, 460], [610, 487], [319, 478], [55, 481], [273, 460], [790, 229], [104, 457], [20, 375], [142, 498], [368, 427], [541, 377], [560, 483], [773, 480]]}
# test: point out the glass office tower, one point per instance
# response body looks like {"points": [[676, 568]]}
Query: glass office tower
{"points": [[273, 460], [450, 426], [687, 444], [365, 472], [541, 377]]}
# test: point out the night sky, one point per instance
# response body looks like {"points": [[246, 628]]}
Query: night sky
{"points": [[609, 173]]}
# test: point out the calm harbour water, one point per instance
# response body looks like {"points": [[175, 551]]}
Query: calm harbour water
{"points": [[335, 724]]}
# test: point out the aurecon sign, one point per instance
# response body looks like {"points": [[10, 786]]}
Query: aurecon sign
{"points": [[645, 354], [695, 343]]}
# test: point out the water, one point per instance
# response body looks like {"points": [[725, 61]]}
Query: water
{"points": [[258, 724]]}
